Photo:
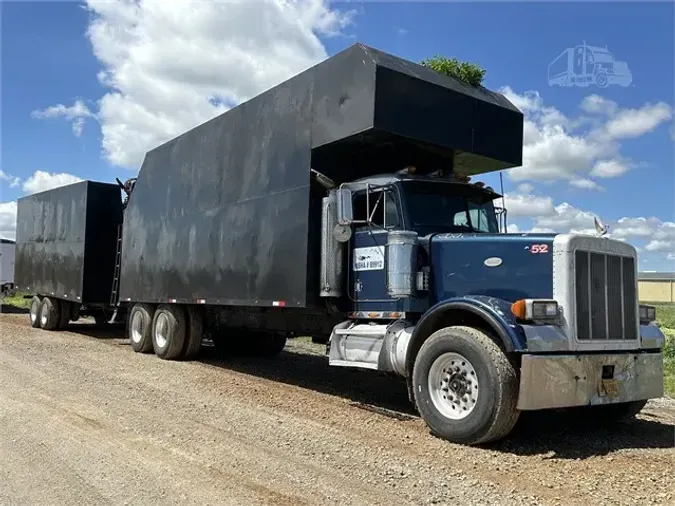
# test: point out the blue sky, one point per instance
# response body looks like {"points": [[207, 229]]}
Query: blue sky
{"points": [[588, 150]]}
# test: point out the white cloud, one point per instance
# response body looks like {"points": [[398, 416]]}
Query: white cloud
{"points": [[12, 180], [41, 181], [169, 66], [528, 206], [512, 228], [595, 104], [401, 31], [630, 123], [609, 168], [8, 220], [585, 184], [567, 218], [525, 188], [558, 147], [77, 113], [635, 227], [663, 238]]}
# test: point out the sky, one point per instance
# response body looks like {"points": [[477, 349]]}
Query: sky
{"points": [[88, 87]]}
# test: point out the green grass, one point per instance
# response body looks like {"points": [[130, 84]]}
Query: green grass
{"points": [[665, 319], [16, 300], [665, 315]]}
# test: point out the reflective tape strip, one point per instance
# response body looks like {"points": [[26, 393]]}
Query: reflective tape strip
{"points": [[279, 303]]}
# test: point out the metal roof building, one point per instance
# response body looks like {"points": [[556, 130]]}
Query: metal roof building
{"points": [[656, 287]]}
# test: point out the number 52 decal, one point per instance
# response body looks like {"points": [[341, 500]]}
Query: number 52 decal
{"points": [[539, 248]]}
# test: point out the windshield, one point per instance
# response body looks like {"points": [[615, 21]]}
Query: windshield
{"points": [[448, 208]]}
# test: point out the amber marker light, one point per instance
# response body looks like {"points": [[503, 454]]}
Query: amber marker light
{"points": [[518, 308]]}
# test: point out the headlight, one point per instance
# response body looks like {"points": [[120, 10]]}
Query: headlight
{"points": [[536, 310], [647, 313], [541, 309]]}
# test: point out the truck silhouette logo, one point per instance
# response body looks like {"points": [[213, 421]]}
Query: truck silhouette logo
{"points": [[584, 65]]}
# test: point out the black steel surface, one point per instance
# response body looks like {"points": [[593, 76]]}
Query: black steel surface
{"points": [[224, 212], [63, 239]]}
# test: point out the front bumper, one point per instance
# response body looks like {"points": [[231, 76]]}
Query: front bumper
{"points": [[560, 381]]}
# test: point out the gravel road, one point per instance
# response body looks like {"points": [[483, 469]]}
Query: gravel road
{"points": [[84, 420]]}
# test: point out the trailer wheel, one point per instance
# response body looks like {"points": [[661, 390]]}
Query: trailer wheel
{"points": [[465, 388], [268, 344], [140, 328], [65, 314], [50, 314], [34, 312], [195, 328], [168, 331]]}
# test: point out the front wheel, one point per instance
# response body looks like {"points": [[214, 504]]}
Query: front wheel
{"points": [[607, 414], [465, 387]]}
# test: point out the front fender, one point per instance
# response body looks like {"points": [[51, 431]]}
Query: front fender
{"points": [[494, 312]]}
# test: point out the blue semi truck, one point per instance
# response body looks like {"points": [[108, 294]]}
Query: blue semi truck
{"points": [[340, 205]]}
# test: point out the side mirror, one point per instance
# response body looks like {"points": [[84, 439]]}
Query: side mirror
{"points": [[345, 213]]}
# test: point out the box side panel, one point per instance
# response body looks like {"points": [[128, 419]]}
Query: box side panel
{"points": [[104, 215], [344, 96], [221, 212], [50, 242]]}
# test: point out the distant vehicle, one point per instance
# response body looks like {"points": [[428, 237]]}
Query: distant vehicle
{"points": [[584, 65], [7, 248], [339, 205]]}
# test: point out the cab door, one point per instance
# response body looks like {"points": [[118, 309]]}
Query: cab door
{"points": [[367, 274]]}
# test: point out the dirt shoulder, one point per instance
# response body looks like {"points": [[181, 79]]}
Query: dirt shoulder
{"points": [[84, 419]]}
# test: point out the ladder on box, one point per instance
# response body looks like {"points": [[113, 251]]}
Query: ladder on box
{"points": [[118, 263]]}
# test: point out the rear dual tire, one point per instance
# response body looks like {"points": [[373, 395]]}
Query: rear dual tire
{"points": [[50, 314], [171, 331]]}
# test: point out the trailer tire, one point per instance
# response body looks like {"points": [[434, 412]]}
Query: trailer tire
{"points": [[139, 328], [50, 314], [454, 366], [195, 332], [34, 312], [168, 331], [268, 344], [65, 314]]}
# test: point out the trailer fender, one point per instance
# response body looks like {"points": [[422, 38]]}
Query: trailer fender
{"points": [[489, 314]]}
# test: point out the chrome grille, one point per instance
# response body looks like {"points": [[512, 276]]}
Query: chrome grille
{"points": [[605, 296]]}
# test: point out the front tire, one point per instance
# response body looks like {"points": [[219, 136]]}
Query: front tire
{"points": [[34, 312], [168, 331], [607, 415], [50, 314], [140, 328], [465, 387]]}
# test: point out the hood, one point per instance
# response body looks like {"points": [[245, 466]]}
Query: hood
{"points": [[505, 266]]}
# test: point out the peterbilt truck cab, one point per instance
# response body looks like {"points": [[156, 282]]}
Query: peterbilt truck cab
{"points": [[483, 324]]}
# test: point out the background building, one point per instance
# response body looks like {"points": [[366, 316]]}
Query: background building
{"points": [[656, 286]]}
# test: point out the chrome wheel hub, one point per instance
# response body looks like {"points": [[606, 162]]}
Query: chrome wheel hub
{"points": [[162, 330], [137, 327], [453, 386], [44, 314]]}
